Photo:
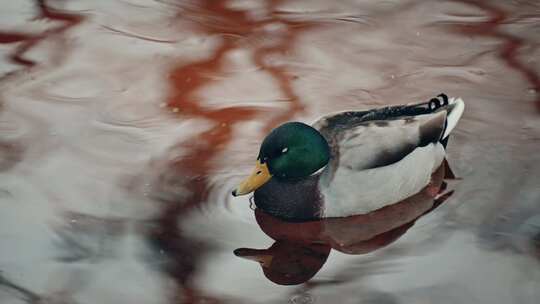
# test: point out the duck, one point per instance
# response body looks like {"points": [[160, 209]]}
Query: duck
{"points": [[351, 162]]}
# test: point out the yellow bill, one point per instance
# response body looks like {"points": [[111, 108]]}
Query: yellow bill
{"points": [[258, 178]]}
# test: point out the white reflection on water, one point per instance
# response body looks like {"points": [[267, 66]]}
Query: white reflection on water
{"points": [[98, 145]]}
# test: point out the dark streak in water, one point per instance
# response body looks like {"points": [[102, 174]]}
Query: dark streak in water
{"points": [[7, 37], [30, 40], [511, 46], [29, 296], [10, 155]]}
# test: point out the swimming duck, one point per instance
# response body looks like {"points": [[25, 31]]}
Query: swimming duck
{"points": [[352, 162]]}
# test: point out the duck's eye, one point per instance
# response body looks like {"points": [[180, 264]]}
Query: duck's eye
{"points": [[284, 150]]}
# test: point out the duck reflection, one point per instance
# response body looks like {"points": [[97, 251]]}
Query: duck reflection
{"points": [[288, 262], [301, 248]]}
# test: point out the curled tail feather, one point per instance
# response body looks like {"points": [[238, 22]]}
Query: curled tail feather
{"points": [[455, 111]]}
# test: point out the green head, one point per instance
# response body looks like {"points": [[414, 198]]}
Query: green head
{"points": [[294, 150], [291, 151]]}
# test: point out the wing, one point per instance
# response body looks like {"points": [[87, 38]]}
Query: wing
{"points": [[360, 144], [381, 143], [379, 157]]}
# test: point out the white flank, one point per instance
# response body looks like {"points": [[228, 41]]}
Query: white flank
{"points": [[359, 192]]}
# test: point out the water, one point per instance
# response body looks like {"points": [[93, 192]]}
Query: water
{"points": [[125, 124]]}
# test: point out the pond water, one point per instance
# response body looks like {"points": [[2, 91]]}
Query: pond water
{"points": [[124, 126]]}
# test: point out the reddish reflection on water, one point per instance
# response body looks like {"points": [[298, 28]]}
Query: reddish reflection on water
{"points": [[186, 81], [27, 41], [509, 51], [496, 143]]}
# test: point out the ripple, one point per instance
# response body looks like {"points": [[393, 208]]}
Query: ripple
{"points": [[142, 116], [304, 298], [11, 127], [73, 87], [140, 36], [109, 144], [460, 19]]}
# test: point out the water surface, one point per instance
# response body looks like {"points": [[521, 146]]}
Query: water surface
{"points": [[125, 124]]}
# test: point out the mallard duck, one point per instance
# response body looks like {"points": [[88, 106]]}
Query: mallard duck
{"points": [[351, 162]]}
